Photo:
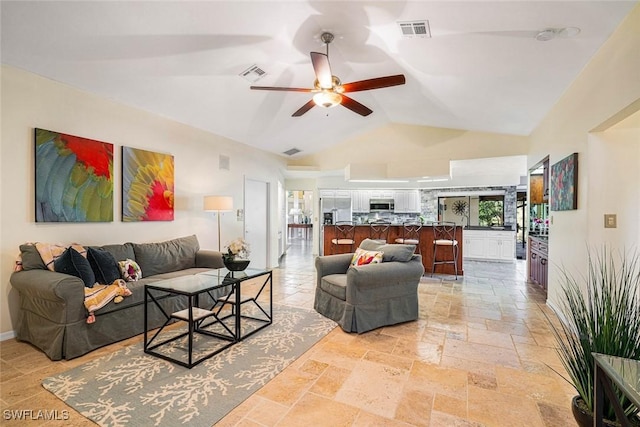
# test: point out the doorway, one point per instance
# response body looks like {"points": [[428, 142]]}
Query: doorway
{"points": [[256, 221]]}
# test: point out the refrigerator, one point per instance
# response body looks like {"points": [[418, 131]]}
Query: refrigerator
{"points": [[340, 207]]}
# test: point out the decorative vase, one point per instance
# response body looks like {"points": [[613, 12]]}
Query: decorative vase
{"points": [[584, 417], [234, 264]]}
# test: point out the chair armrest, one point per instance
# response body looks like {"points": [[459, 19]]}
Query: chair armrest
{"points": [[373, 282], [40, 288], [209, 259], [332, 264]]}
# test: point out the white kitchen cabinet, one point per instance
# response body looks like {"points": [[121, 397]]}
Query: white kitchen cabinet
{"points": [[406, 201], [382, 194], [413, 201], [335, 194], [473, 245], [400, 201], [360, 201], [491, 245]]}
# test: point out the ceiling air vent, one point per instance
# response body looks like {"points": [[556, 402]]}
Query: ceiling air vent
{"points": [[253, 73], [292, 151], [415, 29]]}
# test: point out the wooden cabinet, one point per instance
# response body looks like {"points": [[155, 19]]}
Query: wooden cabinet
{"points": [[538, 261], [536, 189], [490, 245], [406, 201]]}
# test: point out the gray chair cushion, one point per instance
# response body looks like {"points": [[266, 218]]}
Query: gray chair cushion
{"points": [[336, 285], [163, 257], [392, 252]]}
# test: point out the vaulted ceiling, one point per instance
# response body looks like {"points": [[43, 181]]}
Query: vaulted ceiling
{"points": [[481, 69]]}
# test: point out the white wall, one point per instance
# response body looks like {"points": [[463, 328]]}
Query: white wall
{"points": [[29, 101], [608, 173]]}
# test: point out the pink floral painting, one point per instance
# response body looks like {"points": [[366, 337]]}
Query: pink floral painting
{"points": [[564, 184]]}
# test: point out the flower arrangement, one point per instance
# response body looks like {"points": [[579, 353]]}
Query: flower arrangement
{"points": [[237, 248]]}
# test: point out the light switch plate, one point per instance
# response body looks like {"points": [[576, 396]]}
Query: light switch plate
{"points": [[610, 221]]}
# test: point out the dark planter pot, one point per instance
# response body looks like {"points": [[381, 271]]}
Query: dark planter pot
{"points": [[583, 416], [236, 264]]}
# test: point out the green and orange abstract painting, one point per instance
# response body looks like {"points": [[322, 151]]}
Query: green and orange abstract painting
{"points": [[147, 185], [74, 178]]}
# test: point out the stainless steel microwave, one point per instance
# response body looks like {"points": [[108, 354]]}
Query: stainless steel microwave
{"points": [[381, 205]]}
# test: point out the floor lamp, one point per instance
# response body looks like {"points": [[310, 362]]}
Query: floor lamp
{"points": [[218, 204]]}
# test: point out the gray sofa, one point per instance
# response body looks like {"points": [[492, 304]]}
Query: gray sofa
{"points": [[362, 298], [52, 314]]}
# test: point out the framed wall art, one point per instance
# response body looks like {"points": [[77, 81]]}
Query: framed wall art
{"points": [[564, 184], [73, 178], [147, 185]]}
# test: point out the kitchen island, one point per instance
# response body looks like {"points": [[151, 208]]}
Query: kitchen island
{"points": [[395, 231]]}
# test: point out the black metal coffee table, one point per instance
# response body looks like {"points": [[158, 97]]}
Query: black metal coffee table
{"points": [[223, 305]]}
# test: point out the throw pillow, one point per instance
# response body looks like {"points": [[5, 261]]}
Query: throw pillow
{"points": [[397, 252], [130, 270], [104, 266], [71, 262], [362, 257], [392, 251]]}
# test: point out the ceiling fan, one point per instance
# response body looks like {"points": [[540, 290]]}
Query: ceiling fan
{"points": [[329, 90]]}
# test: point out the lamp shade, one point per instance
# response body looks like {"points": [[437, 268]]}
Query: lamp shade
{"points": [[218, 203]]}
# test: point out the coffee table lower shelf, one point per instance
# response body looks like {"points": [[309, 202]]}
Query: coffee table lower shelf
{"points": [[198, 315]]}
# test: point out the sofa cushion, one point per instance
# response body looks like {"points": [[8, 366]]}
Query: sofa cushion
{"points": [[31, 259], [104, 266], [71, 262], [119, 251], [363, 257], [392, 252], [163, 257], [336, 285]]}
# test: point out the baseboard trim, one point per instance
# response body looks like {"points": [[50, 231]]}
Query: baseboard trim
{"points": [[7, 335]]}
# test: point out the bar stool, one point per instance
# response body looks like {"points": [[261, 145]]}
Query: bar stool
{"points": [[444, 236], [345, 235], [410, 234], [379, 230]]}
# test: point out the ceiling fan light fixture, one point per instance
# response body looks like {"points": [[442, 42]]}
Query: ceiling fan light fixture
{"points": [[327, 99]]}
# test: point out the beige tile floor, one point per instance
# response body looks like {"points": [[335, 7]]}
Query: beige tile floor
{"points": [[480, 355]]}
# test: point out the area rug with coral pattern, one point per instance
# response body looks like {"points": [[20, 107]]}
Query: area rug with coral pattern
{"points": [[131, 388]]}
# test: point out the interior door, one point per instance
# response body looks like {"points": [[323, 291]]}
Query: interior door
{"points": [[256, 221]]}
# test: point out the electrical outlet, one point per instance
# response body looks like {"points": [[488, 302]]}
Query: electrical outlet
{"points": [[610, 221]]}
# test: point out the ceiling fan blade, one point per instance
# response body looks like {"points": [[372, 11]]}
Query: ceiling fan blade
{"points": [[355, 106], [306, 107], [284, 89], [322, 68], [377, 83]]}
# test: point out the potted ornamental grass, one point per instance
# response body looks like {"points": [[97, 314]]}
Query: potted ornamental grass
{"points": [[599, 313]]}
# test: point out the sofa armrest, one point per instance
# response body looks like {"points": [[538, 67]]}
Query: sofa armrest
{"points": [[209, 259], [332, 264], [373, 282], [50, 294]]}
